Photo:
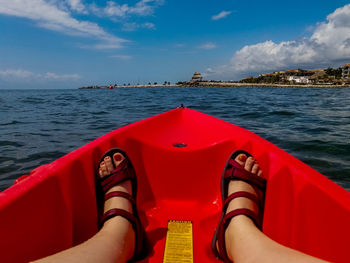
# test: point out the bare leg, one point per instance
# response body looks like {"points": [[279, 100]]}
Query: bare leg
{"points": [[244, 241], [116, 240]]}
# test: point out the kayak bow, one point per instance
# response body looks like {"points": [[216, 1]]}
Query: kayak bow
{"points": [[179, 157]]}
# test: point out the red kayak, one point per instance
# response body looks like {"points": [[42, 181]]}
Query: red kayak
{"points": [[179, 157]]}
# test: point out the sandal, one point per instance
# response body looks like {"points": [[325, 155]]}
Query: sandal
{"points": [[235, 171], [125, 171]]}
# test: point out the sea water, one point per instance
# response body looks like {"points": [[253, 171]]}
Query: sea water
{"points": [[39, 126]]}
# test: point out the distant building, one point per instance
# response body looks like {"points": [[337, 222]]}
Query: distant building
{"points": [[300, 79], [196, 77], [345, 71]]}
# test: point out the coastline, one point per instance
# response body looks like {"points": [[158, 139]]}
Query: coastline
{"points": [[227, 84], [267, 85], [130, 86]]}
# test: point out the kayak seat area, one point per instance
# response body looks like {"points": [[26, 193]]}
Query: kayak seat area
{"points": [[179, 157]]}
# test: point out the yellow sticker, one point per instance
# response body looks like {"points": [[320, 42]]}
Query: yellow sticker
{"points": [[179, 243]]}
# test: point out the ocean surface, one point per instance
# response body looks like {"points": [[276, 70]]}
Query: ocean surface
{"points": [[39, 126]]}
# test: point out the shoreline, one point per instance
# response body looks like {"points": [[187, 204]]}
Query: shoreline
{"points": [[224, 84], [268, 85], [129, 86]]}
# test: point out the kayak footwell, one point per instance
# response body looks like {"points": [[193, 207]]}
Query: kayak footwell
{"points": [[55, 208]]}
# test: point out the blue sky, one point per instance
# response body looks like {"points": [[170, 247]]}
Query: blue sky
{"points": [[72, 43]]}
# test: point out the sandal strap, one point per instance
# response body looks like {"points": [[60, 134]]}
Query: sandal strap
{"points": [[224, 224], [236, 172], [241, 211], [119, 175], [120, 194], [136, 225], [245, 194]]}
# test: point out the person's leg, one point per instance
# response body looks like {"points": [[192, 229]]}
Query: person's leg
{"points": [[244, 241], [116, 240]]}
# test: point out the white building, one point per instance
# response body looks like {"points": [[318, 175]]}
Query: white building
{"points": [[345, 71], [300, 79]]}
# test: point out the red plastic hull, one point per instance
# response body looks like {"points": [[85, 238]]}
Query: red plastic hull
{"points": [[54, 207]]}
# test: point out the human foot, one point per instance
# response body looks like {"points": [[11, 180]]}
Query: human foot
{"points": [[106, 168], [242, 189], [118, 183], [249, 164]]}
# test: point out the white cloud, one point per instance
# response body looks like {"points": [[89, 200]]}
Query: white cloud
{"points": [[179, 45], [25, 75], [77, 5], [207, 46], [63, 77], [56, 15], [121, 57], [329, 45], [134, 26], [106, 44], [269, 55], [113, 9], [144, 8], [221, 15], [15, 73], [149, 25], [53, 17]]}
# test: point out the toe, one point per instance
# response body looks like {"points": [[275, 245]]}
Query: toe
{"points": [[118, 158], [108, 164], [102, 165], [249, 164], [103, 171], [255, 168], [241, 158]]}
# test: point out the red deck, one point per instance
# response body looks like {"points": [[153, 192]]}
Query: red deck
{"points": [[55, 207]]}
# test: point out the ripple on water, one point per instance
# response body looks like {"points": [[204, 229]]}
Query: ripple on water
{"points": [[9, 168], [102, 126], [309, 123], [12, 123], [42, 134], [321, 147], [282, 113], [11, 143], [43, 155], [33, 100], [62, 122], [97, 113], [317, 130], [252, 114]]}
